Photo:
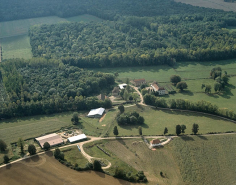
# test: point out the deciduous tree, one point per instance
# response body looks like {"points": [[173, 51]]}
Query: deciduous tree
{"points": [[3, 145], [195, 128], [183, 128], [181, 85], [178, 130], [46, 146], [175, 79], [31, 149], [21, 144], [165, 130], [115, 131], [121, 108]]}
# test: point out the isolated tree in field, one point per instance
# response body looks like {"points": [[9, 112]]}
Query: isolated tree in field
{"points": [[195, 128], [46, 146], [175, 79], [121, 108], [3, 145], [183, 128], [217, 87], [75, 118], [56, 153], [203, 86], [21, 144], [31, 149], [208, 89], [140, 131], [165, 130], [181, 86], [97, 166], [6, 159], [178, 130], [115, 131], [225, 78]]}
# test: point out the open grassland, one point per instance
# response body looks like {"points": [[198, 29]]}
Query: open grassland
{"points": [[157, 120], [186, 160], [44, 169], [92, 150], [73, 155], [195, 74], [14, 34], [215, 4], [16, 47]]}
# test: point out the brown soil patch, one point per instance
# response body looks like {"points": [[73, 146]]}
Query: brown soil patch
{"points": [[102, 118], [47, 170], [103, 125]]}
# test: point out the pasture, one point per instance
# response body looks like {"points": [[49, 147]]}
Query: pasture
{"points": [[14, 34], [185, 160], [194, 73], [157, 120], [215, 4], [44, 169]]}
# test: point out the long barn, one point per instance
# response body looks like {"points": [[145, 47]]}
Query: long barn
{"points": [[52, 139]]}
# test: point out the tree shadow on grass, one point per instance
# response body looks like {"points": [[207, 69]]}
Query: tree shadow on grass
{"points": [[202, 137], [35, 158], [120, 140], [100, 174], [186, 138]]}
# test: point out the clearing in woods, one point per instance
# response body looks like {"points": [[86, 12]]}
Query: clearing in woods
{"points": [[14, 34], [44, 169], [194, 73], [215, 4]]}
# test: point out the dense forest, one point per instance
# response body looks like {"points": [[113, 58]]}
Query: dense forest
{"points": [[40, 86]]}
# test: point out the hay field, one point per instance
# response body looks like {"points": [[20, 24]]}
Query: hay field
{"points": [[157, 120], [193, 160], [215, 4], [47, 170]]}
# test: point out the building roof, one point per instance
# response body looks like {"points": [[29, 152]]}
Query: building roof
{"points": [[155, 141], [98, 111], [116, 90], [140, 80], [77, 138], [52, 139], [156, 87], [122, 86], [102, 97]]}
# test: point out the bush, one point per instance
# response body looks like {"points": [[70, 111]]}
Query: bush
{"points": [[31, 149], [46, 146], [97, 165], [6, 159], [3, 145]]}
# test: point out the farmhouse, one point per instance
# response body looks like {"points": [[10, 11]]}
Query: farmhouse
{"points": [[52, 139], [155, 142], [115, 91], [122, 86], [160, 90], [139, 82], [102, 97], [77, 138], [96, 113]]}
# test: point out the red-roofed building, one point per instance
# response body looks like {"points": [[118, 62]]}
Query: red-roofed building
{"points": [[155, 142], [139, 82]]}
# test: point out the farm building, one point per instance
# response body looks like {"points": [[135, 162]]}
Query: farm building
{"points": [[155, 142], [139, 82], [52, 139], [122, 86], [160, 90], [96, 113], [77, 138], [115, 91]]}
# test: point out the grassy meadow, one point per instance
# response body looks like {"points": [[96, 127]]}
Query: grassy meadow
{"points": [[185, 160], [194, 73], [157, 120], [14, 34]]}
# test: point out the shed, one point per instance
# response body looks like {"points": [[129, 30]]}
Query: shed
{"points": [[96, 113], [122, 86], [155, 142], [77, 138], [52, 139]]}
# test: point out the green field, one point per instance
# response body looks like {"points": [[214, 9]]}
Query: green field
{"points": [[194, 73], [14, 34], [189, 160], [157, 120]]}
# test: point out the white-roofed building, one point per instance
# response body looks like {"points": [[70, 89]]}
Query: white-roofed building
{"points": [[96, 113], [122, 86], [77, 138]]}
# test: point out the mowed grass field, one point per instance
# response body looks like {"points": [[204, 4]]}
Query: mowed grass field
{"points": [[215, 4], [194, 73], [157, 120], [44, 169], [14, 34], [206, 160]]}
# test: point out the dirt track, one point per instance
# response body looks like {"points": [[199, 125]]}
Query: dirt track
{"points": [[44, 169]]}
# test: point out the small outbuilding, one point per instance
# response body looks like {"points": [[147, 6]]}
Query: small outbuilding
{"points": [[96, 113], [155, 142], [139, 82], [122, 86], [53, 139], [160, 90], [77, 138]]}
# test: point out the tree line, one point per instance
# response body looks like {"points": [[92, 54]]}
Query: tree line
{"points": [[40, 86]]}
